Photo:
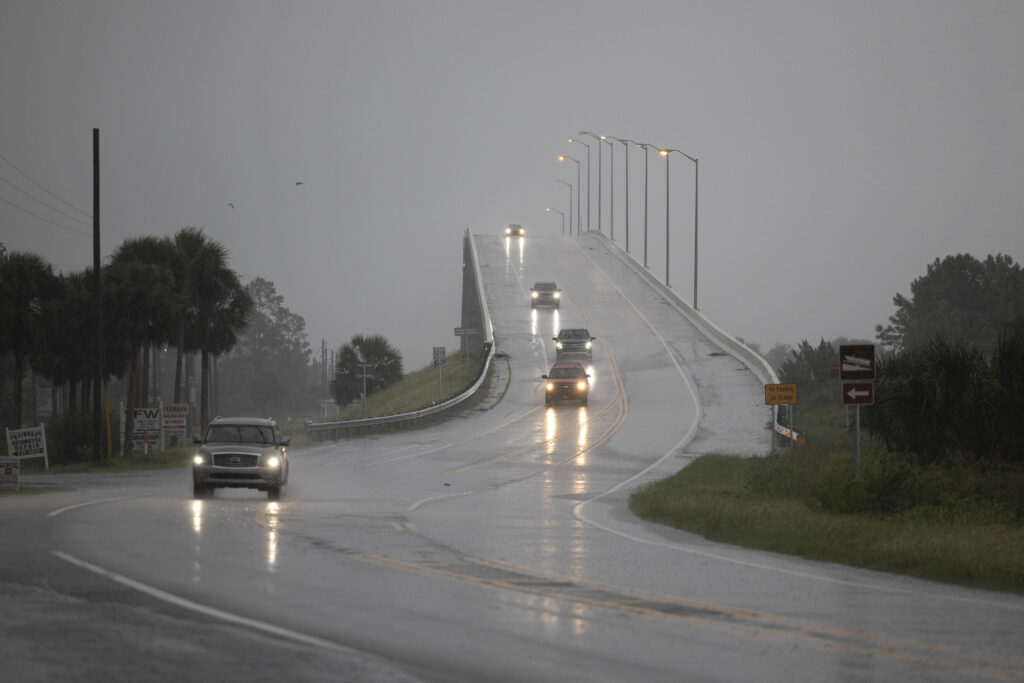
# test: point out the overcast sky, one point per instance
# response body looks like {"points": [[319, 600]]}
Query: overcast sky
{"points": [[843, 146]]}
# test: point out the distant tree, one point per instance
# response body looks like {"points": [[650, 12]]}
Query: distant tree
{"points": [[268, 369], [778, 355], [960, 298], [385, 366], [27, 282], [808, 369]]}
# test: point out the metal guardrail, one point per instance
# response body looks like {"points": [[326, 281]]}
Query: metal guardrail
{"points": [[403, 419]]}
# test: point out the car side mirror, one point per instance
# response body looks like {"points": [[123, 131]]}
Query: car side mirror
{"points": [[285, 440], [196, 439], [543, 376], [554, 339]]}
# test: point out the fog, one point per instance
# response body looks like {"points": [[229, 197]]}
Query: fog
{"points": [[341, 149]]}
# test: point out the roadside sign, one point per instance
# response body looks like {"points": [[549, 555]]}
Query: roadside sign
{"points": [[856, 362], [28, 443], [859, 393], [779, 394], [10, 470], [439, 357]]}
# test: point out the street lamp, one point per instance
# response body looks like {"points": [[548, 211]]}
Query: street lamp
{"points": [[589, 175], [600, 182], [560, 214], [611, 176], [569, 185], [563, 157], [646, 147], [625, 145], [696, 186]]}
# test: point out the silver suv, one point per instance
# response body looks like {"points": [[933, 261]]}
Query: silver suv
{"points": [[241, 452]]}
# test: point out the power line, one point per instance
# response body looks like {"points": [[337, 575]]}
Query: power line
{"points": [[45, 220], [58, 211], [40, 186]]}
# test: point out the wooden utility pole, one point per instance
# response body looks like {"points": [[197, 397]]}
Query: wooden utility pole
{"points": [[97, 380]]}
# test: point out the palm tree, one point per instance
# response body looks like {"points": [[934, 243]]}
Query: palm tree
{"points": [[27, 282], [214, 306]]}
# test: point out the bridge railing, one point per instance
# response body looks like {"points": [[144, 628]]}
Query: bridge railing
{"points": [[368, 424]]}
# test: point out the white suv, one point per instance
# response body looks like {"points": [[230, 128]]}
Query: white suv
{"points": [[240, 452]]}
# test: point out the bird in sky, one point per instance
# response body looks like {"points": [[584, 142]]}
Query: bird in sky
{"points": [[299, 183], [231, 205]]}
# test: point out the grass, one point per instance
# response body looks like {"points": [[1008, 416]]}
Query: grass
{"points": [[958, 524], [420, 389]]}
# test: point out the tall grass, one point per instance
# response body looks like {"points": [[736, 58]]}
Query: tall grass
{"points": [[958, 523]]}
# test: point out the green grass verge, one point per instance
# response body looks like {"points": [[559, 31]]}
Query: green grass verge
{"points": [[956, 524]]}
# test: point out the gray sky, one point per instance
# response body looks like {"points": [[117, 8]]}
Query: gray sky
{"points": [[843, 145]]}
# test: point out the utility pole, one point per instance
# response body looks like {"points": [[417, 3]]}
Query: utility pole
{"points": [[97, 380], [364, 366]]}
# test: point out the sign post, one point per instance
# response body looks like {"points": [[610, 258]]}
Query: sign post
{"points": [[463, 332], [783, 395], [439, 362], [857, 371]]}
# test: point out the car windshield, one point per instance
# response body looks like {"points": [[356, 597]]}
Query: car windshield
{"points": [[228, 433], [566, 372], [545, 286], [574, 334]]}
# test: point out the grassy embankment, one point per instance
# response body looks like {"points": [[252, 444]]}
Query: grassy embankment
{"points": [[959, 524], [416, 390]]}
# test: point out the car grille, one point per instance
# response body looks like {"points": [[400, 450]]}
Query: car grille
{"points": [[232, 476], [236, 460]]}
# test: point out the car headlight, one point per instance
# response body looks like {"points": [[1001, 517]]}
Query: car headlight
{"points": [[199, 459], [558, 345], [551, 386], [273, 462], [558, 295], [507, 231], [533, 295], [581, 386], [588, 346]]}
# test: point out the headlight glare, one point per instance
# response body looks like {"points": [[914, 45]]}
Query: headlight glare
{"points": [[551, 386], [199, 459], [273, 461], [581, 385]]}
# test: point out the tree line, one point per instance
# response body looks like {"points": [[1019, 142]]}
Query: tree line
{"points": [[157, 292], [950, 372]]}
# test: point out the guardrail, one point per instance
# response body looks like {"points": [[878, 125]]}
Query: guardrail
{"points": [[734, 347], [367, 424]]}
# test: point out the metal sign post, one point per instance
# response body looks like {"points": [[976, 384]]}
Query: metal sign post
{"points": [[857, 371], [439, 362]]}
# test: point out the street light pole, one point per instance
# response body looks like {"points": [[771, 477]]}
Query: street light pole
{"points": [[665, 153], [563, 157], [600, 182], [569, 185], [589, 175], [560, 214], [646, 170], [696, 195], [625, 150], [611, 189]]}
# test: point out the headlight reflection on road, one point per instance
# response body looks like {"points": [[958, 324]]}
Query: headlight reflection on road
{"points": [[533, 322], [550, 430], [272, 521], [581, 459], [197, 516], [556, 325]]}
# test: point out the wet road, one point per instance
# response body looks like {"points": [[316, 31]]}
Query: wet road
{"points": [[495, 547]]}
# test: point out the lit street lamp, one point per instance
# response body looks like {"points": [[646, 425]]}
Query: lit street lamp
{"points": [[589, 175], [600, 182], [563, 157], [560, 213], [625, 145], [696, 180], [611, 176], [646, 147], [569, 185]]}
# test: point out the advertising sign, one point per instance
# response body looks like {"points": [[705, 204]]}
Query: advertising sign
{"points": [[10, 469], [28, 443], [779, 394], [175, 420], [146, 434]]}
